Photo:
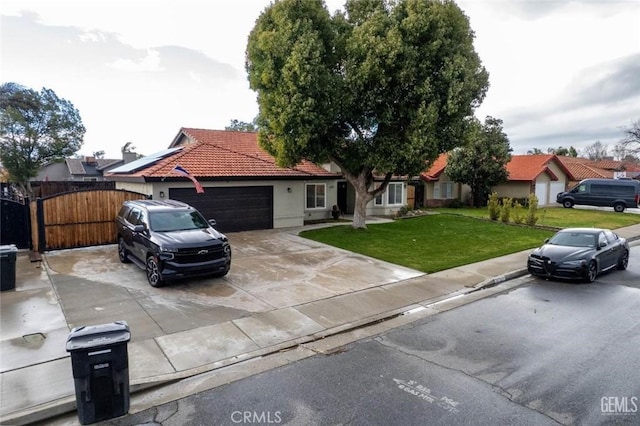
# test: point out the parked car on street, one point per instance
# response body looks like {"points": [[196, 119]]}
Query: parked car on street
{"points": [[579, 253], [620, 194], [170, 239]]}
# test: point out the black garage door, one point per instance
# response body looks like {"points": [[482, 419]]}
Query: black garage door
{"points": [[234, 208]]}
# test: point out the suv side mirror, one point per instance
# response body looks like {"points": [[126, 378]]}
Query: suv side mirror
{"points": [[138, 229], [212, 222]]}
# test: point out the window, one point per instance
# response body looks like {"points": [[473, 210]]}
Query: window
{"points": [[378, 199], [446, 190], [443, 190], [394, 193], [316, 196]]}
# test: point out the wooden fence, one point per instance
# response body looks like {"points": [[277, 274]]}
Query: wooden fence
{"points": [[77, 219]]}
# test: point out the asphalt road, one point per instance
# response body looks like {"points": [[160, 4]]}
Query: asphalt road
{"points": [[546, 352]]}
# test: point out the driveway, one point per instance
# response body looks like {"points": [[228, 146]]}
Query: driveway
{"points": [[271, 269]]}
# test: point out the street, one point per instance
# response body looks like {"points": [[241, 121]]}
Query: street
{"points": [[546, 352]]}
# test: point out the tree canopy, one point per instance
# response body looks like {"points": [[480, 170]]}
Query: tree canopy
{"points": [[561, 150], [241, 126], [481, 162], [379, 89], [35, 128]]}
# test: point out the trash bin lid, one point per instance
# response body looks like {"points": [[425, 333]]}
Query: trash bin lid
{"points": [[98, 335], [10, 248]]}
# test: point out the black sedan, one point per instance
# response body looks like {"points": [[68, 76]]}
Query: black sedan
{"points": [[579, 253]]}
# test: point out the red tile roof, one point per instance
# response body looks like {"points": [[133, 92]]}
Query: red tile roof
{"points": [[436, 169], [527, 168], [583, 168], [226, 154], [521, 167]]}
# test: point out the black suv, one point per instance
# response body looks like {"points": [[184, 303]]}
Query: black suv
{"points": [[170, 239]]}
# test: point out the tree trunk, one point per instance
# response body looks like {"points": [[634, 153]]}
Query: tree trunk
{"points": [[364, 185], [360, 210]]}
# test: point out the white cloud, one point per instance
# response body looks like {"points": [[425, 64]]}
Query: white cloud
{"points": [[150, 63], [138, 70]]}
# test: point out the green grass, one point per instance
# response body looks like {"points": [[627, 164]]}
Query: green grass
{"points": [[432, 243], [559, 217]]}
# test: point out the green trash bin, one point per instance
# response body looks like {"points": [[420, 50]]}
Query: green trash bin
{"points": [[8, 256]]}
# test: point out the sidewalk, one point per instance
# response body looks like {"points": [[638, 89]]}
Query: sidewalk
{"points": [[36, 379]]}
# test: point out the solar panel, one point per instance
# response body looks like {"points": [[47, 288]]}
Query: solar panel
{"points": [[144, 161]]}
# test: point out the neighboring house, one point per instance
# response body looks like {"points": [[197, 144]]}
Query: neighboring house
{"points": [[439, 190], [244, 188], [582, 168], [543, 175], [77, 169]]}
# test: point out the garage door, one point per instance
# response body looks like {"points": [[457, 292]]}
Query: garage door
{"points": [[554, 189], [541, 193], [234, 208]]}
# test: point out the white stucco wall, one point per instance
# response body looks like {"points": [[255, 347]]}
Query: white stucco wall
{"points": [[289, 198]]}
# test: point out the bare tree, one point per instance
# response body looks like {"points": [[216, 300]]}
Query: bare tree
{"points": [[596, 151], [630, 144]]}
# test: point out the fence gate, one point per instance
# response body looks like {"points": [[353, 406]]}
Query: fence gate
{"points": [[77, 219], [14, 223]]}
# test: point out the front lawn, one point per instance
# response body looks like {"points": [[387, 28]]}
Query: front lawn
{"points": [[432, 243], [560, 217]]}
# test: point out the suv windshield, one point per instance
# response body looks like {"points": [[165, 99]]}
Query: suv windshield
{"points": [[176, 221]]}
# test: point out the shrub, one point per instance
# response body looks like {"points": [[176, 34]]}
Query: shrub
{"points": [[455, 204], [518, 213], [532, 212], [505, 213], [494, 206]]}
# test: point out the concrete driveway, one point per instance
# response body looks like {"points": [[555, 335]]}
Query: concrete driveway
{"points": [[271, 269]]}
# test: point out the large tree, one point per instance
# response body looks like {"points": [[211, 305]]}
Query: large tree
{"points": [[481, 162], [35, 128], [379, 89]]}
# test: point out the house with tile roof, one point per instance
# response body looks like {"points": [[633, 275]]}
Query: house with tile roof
{"points": [[244, 188], [544, 175], [85, 169], [583, 168]]}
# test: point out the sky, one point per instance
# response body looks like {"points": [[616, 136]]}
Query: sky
{"points": [[561, 72]]}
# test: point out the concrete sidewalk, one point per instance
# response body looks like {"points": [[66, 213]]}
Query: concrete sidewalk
{"points": [[36, 379]]}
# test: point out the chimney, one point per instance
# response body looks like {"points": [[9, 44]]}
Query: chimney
{"points": [[128, 157]]}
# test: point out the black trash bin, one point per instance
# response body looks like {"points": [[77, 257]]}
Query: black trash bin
{"points": [[100, 364], [8, 256]]}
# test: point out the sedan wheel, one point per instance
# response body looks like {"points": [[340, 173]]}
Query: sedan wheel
{"points": [[567, 204], [123, 253], [153, 272], [592, 272], [623, 262]]}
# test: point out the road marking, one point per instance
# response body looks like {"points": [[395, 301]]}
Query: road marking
{"points": [[424, 393]]}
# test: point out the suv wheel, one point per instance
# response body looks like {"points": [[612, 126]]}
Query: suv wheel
{"points": [[618, 207], [153, 272], [567, 204], [123, 253]]}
